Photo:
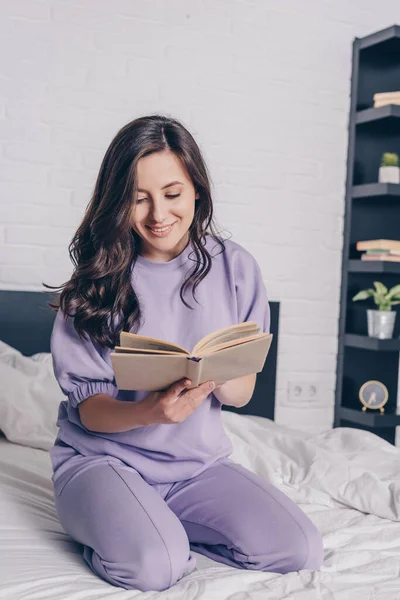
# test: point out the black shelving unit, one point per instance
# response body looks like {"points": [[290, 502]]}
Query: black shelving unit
{"points": [[372, 211]]}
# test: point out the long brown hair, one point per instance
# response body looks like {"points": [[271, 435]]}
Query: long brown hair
{"points": [[105, 246]]}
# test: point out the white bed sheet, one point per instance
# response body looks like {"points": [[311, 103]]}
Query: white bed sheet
{"points": [[346, 480]]}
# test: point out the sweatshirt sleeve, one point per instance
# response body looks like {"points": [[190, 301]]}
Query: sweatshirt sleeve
{"points": [[252, 300], [79, 365]]}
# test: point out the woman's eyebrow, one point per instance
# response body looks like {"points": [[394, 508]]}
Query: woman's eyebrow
{"points": [[165, 186]]}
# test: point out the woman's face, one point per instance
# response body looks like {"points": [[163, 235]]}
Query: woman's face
{"points": [[159, 204]]}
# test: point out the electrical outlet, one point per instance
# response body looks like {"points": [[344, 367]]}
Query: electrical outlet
{"points": [[303, 392]]}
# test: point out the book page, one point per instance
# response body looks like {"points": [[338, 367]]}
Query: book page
{"points": [[227, 337], [236, 342], [142, 342], [123, 349], [240, 328]]}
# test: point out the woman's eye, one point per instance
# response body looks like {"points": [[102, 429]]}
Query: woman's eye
{"points": [[139, 200]]}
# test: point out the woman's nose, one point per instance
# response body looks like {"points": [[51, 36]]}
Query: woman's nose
{"points": [[159, 212]]}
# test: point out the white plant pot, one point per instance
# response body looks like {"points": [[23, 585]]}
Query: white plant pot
{"points": [[381, 323], [389, 174]]}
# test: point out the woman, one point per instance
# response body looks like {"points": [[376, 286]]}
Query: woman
{"points": [[141, 478]]}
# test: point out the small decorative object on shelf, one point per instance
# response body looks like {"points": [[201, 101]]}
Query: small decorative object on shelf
{"points": [[389, 171], [381, 321], [373, 394]]}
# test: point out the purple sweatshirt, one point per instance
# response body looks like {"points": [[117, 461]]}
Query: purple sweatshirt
{"points": [[232, 292]]}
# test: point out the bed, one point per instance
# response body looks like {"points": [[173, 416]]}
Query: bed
{"points": [[345, 479]]}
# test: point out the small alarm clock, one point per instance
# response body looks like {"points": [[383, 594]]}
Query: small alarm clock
{"points": [[373, 394]]}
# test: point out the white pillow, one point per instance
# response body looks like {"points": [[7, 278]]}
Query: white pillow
{"points": [[29, 398]]}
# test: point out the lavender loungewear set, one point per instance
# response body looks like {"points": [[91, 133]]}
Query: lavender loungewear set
{"points": [[139, 501]]}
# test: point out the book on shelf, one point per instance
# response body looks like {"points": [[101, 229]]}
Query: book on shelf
{"points": [[385, 95], [145, 363], [385, 256], [378, 245], [384, 103], [382, 251], [385, 98]]}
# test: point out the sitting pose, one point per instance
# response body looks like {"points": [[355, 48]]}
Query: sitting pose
{"points": [[142, 478]]}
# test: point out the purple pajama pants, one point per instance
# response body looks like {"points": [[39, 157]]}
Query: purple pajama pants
{"points": [[139, 536]]}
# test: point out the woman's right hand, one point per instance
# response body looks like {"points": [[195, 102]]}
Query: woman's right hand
{"points": [[176, 403]]}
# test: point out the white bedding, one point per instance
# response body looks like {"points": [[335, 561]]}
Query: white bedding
{"points": [[346, 480]]}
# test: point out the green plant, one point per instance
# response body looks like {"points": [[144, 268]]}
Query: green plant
{"points": [[390, 159], [383, 297]]}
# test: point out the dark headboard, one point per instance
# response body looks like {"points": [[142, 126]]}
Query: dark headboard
{"points": [[26, 323]]}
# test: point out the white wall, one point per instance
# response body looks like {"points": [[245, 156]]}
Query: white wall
{"points": [[263, 86]]}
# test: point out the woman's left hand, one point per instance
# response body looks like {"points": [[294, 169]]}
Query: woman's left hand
{"points": [[221, 384], [236, 392]]}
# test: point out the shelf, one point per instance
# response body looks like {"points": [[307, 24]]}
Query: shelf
{"points": [[372, 212], [372, 190], [391, 111], [373, 266], [380, 37], [369, 343], [371, 418]]}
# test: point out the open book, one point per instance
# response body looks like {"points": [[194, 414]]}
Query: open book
{"points": [[146, 363]]}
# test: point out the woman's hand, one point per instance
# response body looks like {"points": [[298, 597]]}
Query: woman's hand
{"points": [[174, 404], [220, 385], [236, 392]]}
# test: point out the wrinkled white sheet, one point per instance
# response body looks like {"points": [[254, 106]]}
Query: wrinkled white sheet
{"points": [[346, 480]]}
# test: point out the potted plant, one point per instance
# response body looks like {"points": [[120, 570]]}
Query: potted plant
{"points": [[381, 321], [389, 171]]}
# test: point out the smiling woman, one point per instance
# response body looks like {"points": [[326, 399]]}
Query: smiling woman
{"points": [[152, 175], [162, 213], [148, 463]]}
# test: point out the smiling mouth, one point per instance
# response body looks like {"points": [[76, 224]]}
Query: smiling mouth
{"points": [[165, 229], [160, 228]]}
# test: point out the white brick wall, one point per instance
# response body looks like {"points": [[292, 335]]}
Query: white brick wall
{"points": [[264, 88]]}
